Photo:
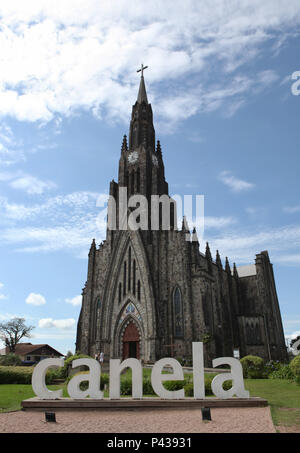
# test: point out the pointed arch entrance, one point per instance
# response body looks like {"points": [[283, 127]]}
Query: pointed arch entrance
{"points": [[131, 341]]}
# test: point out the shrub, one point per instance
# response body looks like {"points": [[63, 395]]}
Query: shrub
{"points": [[295, 366], [283, 372], [125, 387], [10, 360], [272, 366], [15, 375], [172, 386], [253, 367]]}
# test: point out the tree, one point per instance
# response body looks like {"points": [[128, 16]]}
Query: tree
{"points": [[12, 331]]}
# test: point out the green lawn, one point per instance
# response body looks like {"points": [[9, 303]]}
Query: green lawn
{"points": [[283, 397], [11, 395]]}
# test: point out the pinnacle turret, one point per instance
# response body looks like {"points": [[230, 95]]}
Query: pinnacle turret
{"points": [[235, 272], [185, 226], [124, 144], [158, 148], [218, 260], [207, 253], [195, 236], [227, 266]]}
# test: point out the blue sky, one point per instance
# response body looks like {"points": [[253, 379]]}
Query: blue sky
{"points": [[219, 81]]}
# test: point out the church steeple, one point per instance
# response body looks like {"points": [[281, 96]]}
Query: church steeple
{"points": [[142, 96], [142, 131], [141, 167]]}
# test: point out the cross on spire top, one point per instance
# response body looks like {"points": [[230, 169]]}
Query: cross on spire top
{"points": [[142, 69]]}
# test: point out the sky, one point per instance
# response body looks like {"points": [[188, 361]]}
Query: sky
{"points": [[222, 83]]}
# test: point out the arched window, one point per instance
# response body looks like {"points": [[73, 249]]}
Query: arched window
{"points": [[177, 313], [139, 290]]}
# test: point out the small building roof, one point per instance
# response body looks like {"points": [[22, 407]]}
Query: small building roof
{"points": [[28, 348]]}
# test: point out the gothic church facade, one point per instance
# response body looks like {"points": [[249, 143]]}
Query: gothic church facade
{"points": [[151, 293]]}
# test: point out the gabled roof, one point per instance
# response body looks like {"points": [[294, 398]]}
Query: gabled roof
{"points": [[28, 348]]}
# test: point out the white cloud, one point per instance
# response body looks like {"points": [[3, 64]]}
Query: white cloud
{"points": [[235, 184], [31, 185], [11, 151], [218, 222], [2, 296], [35, 299], [50, 50], [280, 242], [77, 300], [64, 324], [72, 221], [27, 183]]}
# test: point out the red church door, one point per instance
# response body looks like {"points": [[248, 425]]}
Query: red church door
{"points": [[131, 342]]}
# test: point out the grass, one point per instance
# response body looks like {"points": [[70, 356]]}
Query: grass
{"points": [[11, 395], [283, 397]]}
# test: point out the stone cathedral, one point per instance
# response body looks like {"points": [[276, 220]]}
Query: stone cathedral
{"points": [[150, 293]]}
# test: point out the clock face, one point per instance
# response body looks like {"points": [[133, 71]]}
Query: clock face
{"points": [[155, 161], [133, 157]]}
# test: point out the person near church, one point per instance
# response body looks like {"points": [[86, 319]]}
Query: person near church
{"points": [[101, 358]]}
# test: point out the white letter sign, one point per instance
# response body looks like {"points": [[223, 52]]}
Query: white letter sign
{"points": [[157, 377], [38, 379], [93, 377], [236, 376]]}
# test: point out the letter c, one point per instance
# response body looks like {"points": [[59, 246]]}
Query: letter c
{"points": [[38, 379]]}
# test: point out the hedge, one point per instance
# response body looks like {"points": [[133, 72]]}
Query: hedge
{"points": [[15, 374], [23, 375]]}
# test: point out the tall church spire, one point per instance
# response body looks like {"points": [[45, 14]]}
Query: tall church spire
{"points": [[141, 125], [142, 96]]}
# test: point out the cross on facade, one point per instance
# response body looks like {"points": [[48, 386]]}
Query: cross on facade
{"points": [[171, 346], [142, 69]]}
